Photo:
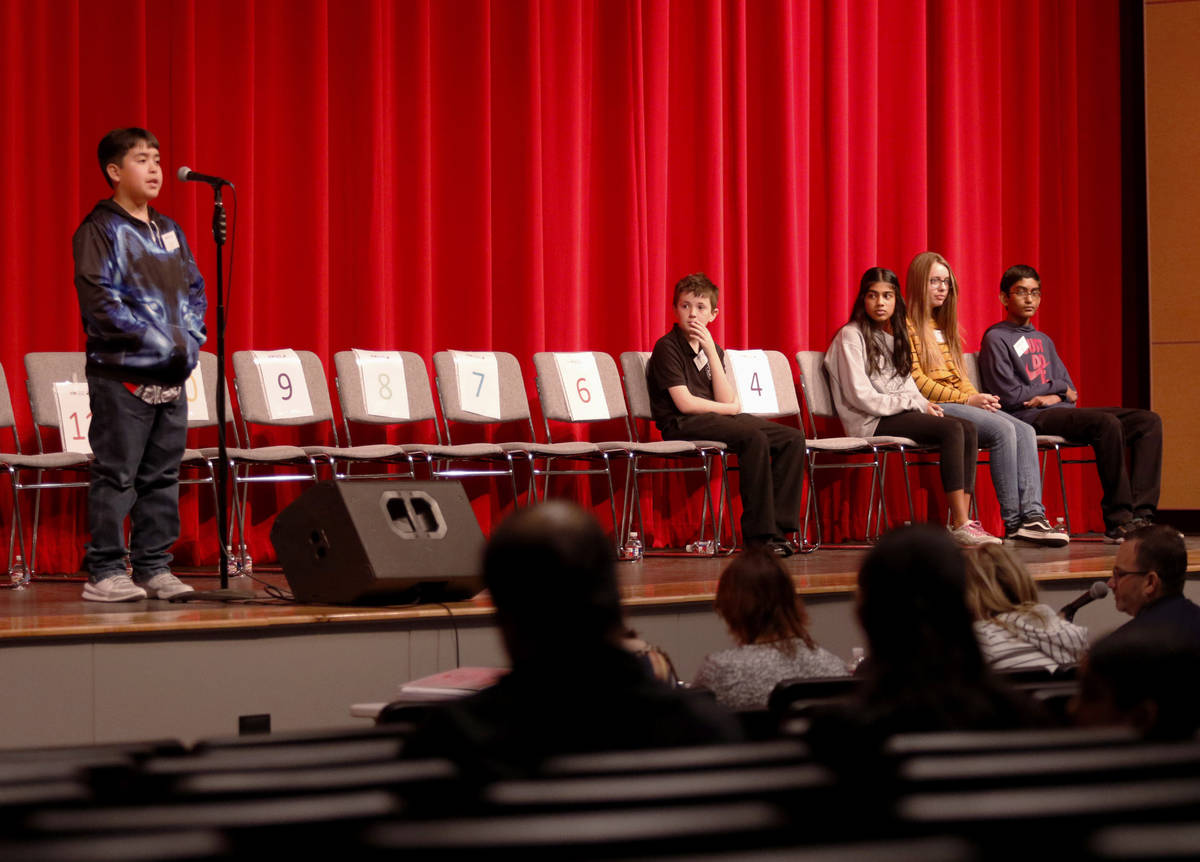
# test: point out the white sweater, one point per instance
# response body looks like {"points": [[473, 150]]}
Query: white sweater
{"points": [[1039, 638], [861, 395]]}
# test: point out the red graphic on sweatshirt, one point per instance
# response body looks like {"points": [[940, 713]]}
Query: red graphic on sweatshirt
{"points": [[1036, 366]]}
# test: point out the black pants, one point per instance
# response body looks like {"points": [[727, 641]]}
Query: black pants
{"points": [[771, 461], [955, 438], [138, 447], [1131, 493]]}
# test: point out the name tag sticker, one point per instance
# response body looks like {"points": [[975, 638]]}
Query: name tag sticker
{"points": [[170, 241], [1021, 346], [938, 337], [701, 360]]}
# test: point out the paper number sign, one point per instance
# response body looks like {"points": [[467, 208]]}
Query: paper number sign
{"points": [[74, 416], [478, 382], [385, 392], [755, 385], [283, 384], [581, 384], [197, 403]]}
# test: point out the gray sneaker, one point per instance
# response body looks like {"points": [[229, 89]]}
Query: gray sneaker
{"points": [[165, 585], [971, 535], [115, 588]]}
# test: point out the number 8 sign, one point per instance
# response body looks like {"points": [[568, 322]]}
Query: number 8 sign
{"points": [[582, 386], [284, 387]]}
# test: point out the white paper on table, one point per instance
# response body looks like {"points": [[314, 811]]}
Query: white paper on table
{"points": [[283, 384], [74, 415], [384, 386], [755, 385], [197, 403], [478, 382], [582, 387]]}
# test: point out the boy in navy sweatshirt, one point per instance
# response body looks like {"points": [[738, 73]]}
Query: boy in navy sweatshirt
{"points": [[142, 302], [1020, 365]]}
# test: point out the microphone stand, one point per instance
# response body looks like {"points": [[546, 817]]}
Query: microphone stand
{"points": [[224, 594]]}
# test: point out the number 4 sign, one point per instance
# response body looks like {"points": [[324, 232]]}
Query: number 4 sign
{"points": [[755, 385], [74, 416], [284, 388], [581, 384]]}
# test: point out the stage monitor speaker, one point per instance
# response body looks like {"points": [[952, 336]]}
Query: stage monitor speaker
{"points": [[380, 542]]}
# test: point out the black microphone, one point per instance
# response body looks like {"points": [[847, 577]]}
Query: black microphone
{"points": [[189, 176], [1098, 591]]}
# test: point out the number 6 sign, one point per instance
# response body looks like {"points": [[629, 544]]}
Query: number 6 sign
{"points": [[755, 385], [581, 384], [478, 382], [284, 388]]}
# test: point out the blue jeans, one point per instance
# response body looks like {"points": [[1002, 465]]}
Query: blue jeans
{"points": [[1013, 461], [138, 447]]}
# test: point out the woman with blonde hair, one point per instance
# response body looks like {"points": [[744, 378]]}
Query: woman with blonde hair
{"points": [[931, 291], [758, 602], [1015, 631]]}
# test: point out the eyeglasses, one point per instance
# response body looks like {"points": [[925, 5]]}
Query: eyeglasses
{"points": [[1024, 292], [940, 282], [1117, 574]]}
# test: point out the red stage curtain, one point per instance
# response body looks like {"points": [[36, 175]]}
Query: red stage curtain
{"points": [[524, 176]]}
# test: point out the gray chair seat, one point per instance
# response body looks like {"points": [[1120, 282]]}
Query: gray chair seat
{"points": [[46, 461], [260, 454], [553, 450], [373, 452], [836, 444], [886, 440]]}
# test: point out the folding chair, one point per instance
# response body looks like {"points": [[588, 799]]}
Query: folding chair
{"points": [[15, 462], [419, 397], [818, 401], [43, 370], [633, 369], [1046, 443], [514, 407], [255, 409]]}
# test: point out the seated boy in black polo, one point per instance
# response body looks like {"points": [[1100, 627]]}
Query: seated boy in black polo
{"points": [[692, 399]]}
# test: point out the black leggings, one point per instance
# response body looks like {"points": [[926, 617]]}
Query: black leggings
{"points": [[954, 438]]}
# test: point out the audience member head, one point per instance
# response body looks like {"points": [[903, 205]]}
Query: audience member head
{"points": [[997, 583], [913, 609], [551, 574], [1151, 564], [879, 306], [758, 602], [1144, 679]]}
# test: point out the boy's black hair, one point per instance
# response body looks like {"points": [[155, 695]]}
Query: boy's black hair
{"points": [[901, 358], [699, 284], [117, 143], [1015, 273]]}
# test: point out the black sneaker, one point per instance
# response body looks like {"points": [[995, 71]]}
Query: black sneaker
{"points": [[1040, 532], [1116, 535]]}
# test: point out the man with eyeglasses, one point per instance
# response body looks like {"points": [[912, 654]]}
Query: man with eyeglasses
{"points": [[1147, 583], [1020, 365]]}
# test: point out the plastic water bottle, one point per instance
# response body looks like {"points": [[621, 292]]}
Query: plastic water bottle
{"points": [[18, 575], [246, 565], [857, 655], [633, 547]]}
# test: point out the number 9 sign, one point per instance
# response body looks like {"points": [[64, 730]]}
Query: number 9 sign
{"points": [[284, 387], [582, 386]]}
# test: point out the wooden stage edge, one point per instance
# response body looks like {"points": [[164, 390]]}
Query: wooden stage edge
{"points": [[53, 609]]}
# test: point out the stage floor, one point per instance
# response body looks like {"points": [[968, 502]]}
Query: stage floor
{"points": [[54, 609]]}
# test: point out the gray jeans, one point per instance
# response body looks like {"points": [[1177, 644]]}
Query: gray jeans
{"points": [[1014, 461]]}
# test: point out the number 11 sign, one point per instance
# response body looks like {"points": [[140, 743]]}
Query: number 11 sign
{"points": [[74, 416]]}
